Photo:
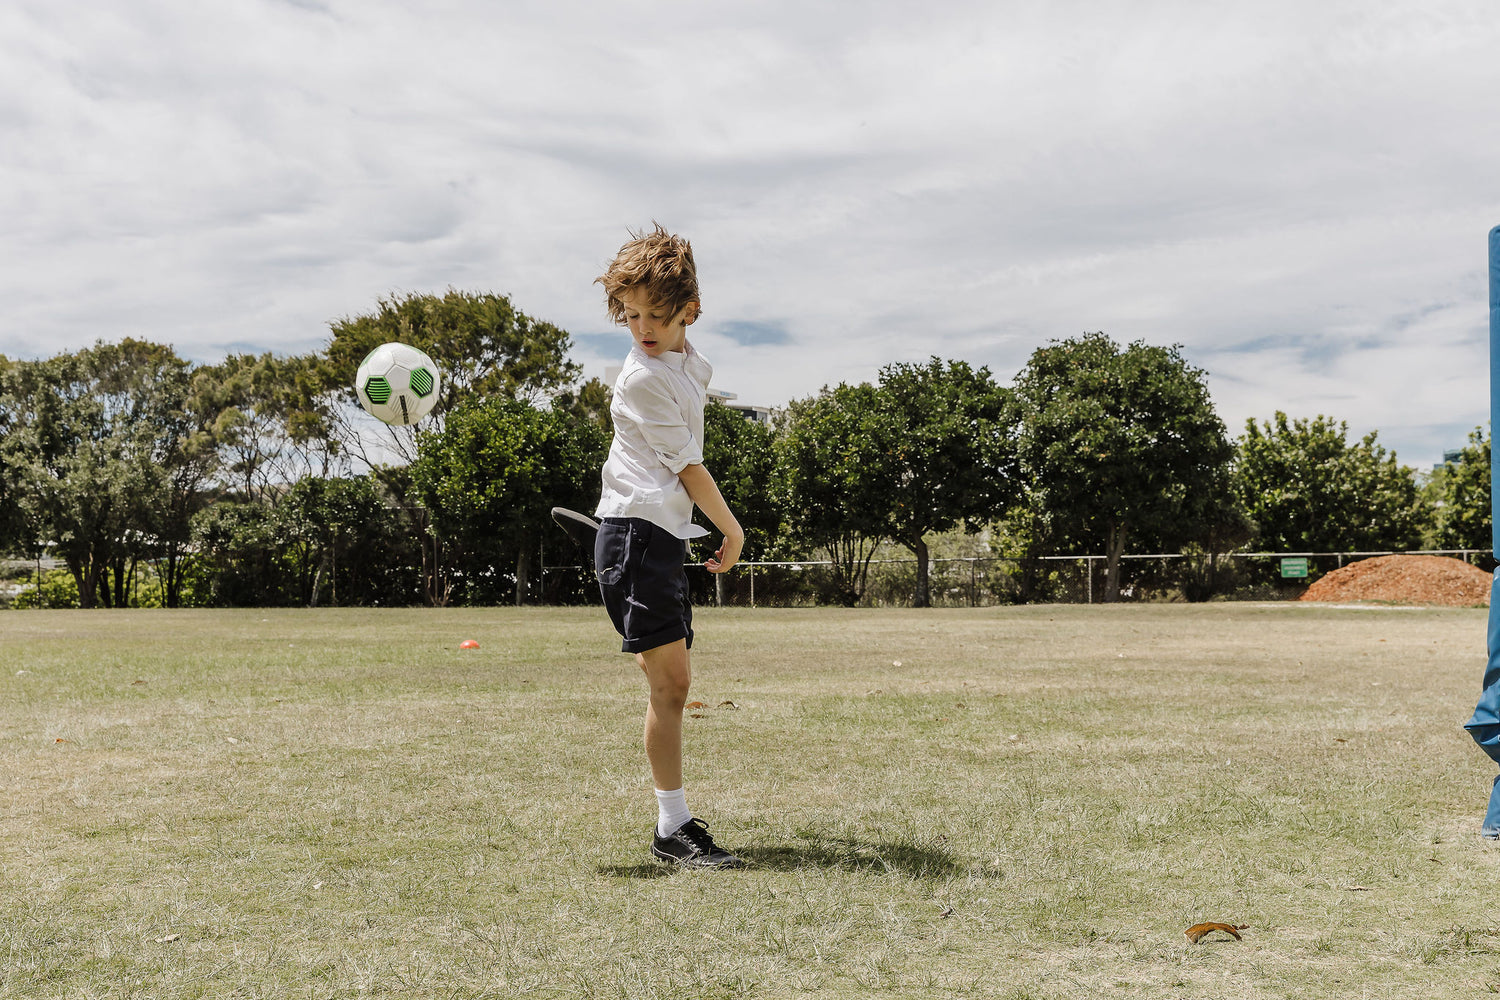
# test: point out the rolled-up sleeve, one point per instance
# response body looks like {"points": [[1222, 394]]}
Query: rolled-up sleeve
{"points": [[659, 418]]}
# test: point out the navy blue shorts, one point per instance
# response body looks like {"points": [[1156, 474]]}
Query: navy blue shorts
{"points": [[644, 584]]}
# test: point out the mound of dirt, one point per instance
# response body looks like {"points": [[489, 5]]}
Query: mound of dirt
{"points": [[1404, 580]]}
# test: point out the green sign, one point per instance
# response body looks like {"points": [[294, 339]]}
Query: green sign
{"points": [[1294, 569]]}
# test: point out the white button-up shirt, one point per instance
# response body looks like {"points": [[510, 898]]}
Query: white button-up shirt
{"points": [[658, 415]]}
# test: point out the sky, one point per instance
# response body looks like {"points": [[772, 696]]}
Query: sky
{"points": [[1297, 194]]}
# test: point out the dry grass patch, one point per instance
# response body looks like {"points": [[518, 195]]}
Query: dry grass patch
{"points": [[1035, 802]]}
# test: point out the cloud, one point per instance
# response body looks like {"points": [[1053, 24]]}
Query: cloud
{"points": [[750, 333], [1298, 195]]}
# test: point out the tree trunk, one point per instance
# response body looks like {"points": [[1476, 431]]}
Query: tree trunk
{"points": [[307, 574], [103, 596], [173, 580], [96, 578], [317, 580], [923, 596], [429, 569], [1116, 548], [523, 569], [81, 576], [437, 588]]}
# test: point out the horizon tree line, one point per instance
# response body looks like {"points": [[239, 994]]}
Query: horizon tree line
{"points": [[234, 483]]}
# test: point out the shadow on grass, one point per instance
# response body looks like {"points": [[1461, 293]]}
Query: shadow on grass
{"points": [[921, 862], [906, 858], [646, 870]]}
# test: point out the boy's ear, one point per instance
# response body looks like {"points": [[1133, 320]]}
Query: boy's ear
{"points": [[692, 314]]}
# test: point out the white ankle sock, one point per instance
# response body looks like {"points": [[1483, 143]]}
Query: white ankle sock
{"points": [[671, 811]]}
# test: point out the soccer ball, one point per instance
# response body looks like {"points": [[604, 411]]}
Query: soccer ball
{"points": [[397, 383]]}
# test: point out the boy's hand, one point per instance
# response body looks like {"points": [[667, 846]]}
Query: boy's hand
{"points": [[729, 554]]}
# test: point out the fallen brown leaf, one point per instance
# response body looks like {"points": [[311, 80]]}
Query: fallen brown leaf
{"points": [[695, 704], [1197, 931], [727, 704]]}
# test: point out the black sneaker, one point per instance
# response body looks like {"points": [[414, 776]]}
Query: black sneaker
{"points": [[692, 847]]}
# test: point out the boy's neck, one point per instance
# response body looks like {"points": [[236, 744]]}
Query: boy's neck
{"points": [[687, 349]]}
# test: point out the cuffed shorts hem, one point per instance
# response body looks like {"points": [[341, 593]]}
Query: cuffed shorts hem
{"points": [[661, 638]]}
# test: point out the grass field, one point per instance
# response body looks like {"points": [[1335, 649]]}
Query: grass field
{"points": [[1018, 803]]}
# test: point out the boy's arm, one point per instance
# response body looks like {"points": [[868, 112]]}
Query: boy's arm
{"points": [[700, 485]]}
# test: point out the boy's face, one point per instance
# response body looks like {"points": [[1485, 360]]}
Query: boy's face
{"points": [[654, 331]]}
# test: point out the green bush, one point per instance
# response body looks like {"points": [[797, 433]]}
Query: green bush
{"points": [[58, 589]]}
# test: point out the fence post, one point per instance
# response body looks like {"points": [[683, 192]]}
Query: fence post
{"points": [[1088, 567], [752, 585]]}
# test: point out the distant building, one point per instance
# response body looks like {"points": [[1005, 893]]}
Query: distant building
{"points": [[759, 414], [1451, 456]]}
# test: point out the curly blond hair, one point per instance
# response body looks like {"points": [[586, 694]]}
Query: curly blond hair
{"points": [[660, 264]]}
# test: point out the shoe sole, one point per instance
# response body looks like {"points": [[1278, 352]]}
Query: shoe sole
{"points": [[697, 863]]}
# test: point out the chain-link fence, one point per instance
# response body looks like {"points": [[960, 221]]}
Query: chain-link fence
{"points": [[988, 581]]}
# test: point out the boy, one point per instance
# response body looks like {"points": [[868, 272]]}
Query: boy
{"points": [[652, 478]]}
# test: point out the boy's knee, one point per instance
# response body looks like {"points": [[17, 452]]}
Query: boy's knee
{"points": [[669, 696], [669, 687], [668, 674]]}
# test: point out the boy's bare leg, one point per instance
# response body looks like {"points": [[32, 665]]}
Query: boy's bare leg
{"points": [[668, 671], [686, 840]]}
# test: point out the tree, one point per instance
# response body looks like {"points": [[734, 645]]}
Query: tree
{"points": [[944, 430], [13, 529], [271, 425], [104, 455], [490, 479], [1114, 444], [1460, 498], [741, 455], [239, 560], [483, 345], [341, 531], [587, 401], [188, 462], [328, 541], [1310, 490], [831, 468], [1215, 530]]}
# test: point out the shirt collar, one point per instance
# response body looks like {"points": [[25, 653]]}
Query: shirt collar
{"points": [[672, 359]]}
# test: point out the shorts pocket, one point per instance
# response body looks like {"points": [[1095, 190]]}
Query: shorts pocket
{"points": [[611, 553], [619, 547]]}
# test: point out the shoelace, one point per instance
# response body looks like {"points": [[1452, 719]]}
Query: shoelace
{"points": [[695, 832]]}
